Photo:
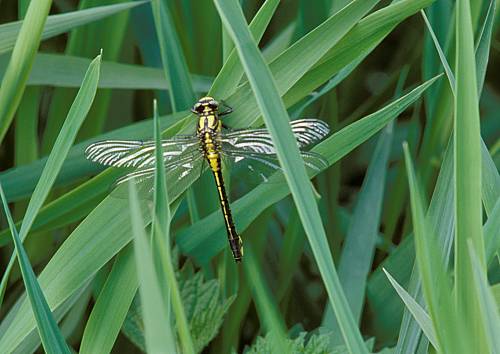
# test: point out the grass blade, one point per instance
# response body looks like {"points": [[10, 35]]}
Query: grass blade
{"points": [[231, 73], [106, 34], [468, 206], [483, 46], [360, 242], [52, 339], [68, 71], [416, 310], [490, 183], [112, 304], [291, 66], [267, 308], [161, 240], [26, 137], [158, 331], [174, 64], [361, 40], [57, 24], [21, 60], [276, 119], [440, 218], [175, 68], [359, 245], [492, 234], [442, 56], [487, 304], [162, 210], [66, 137], [431, 266]]}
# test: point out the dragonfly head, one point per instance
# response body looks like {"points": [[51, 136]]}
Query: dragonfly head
{"points": [[205, 104]]}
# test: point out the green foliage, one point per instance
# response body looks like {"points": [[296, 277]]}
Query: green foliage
{"points": [[204, 305], [414, 233], [314, 344]]}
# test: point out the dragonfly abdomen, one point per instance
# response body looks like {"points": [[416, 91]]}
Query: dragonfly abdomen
{"points": [[234, 239]]}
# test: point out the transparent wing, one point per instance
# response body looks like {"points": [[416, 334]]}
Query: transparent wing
{"points": [[139, 154], [306, 131], [180, 173], [260, 167]]}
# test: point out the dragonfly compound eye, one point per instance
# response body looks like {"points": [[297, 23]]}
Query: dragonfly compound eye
{"points": [[213, 104], [198, 107]]}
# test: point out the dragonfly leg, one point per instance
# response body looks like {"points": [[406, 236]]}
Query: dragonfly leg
{"points": [[227, 111]]}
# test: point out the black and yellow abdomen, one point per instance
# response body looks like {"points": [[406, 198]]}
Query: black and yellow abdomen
{"points": [[234, 239], [208, 127]]}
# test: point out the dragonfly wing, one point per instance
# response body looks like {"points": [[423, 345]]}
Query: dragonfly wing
{"points": [[309, 131], [180, 173], [306, 131], [260, 167], [138, 154]]}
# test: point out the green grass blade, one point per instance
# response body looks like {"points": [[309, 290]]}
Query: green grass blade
{"points": [[440, 218], [161, 240], [203, 246], [167, 275], [174, 64], [72, 267], [231, 73], [112, 304], [68, 71], [158, 331], [487, 304], [175, 68], [468, 206], [107, 35], [360, 242], [361, 40], [162, 209], [21, 60], [26, 138], [490, 180], [330, 85], [291, 252], [57, 24], [66, 137], [492, 234], [431, 266], [276, 119], [292, 64], [481, 63], [442, 56], [52, 339], [483, 46], [491, 202], [267, 309], [416, 310]]}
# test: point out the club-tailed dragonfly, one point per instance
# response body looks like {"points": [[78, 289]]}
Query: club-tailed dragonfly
{"points": [[212, 145]]}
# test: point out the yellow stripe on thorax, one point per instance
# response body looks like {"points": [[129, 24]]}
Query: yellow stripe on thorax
{"points": [[214, 125]]}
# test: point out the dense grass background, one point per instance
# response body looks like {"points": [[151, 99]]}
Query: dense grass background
{"points": [[394, 250]]}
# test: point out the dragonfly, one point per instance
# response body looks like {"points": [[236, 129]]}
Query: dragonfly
{"points": [[211, 147]]}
